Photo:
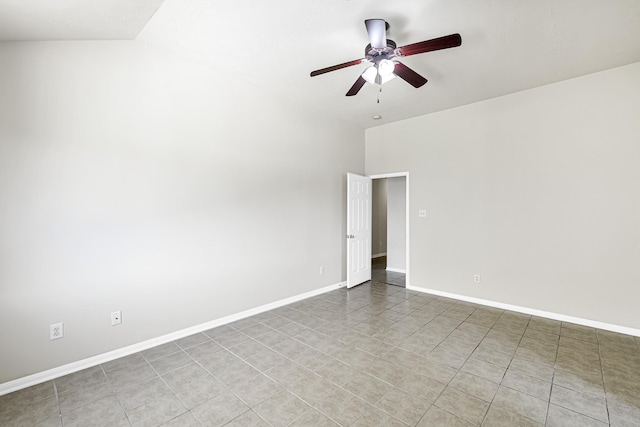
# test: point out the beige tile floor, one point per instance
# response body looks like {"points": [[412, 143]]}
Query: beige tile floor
{"points": [[376, 355], [381, 275]]}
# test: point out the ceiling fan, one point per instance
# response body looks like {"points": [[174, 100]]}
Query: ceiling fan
{"points": [[382, 54]]}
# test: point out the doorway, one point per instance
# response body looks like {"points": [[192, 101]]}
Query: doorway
{"points": [[380, 274], [390, 229]]}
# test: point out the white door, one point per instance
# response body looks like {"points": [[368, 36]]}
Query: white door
{"points": [[358, 229]]}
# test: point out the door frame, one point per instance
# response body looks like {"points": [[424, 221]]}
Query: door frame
{"points": [[408, 216]]}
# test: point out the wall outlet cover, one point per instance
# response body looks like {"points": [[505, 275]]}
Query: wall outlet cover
{"points": [[116, 318], [56, 331]]}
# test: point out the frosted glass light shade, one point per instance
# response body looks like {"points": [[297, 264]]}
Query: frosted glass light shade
{"points": [[385, 67], [371, 73]]}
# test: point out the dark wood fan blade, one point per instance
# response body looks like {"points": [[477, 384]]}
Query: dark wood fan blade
{"points": [[445, 42], [356, 86], [337, 67], [408, 75]]}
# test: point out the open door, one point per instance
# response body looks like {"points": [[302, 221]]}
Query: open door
{"points": [[358, 229]]}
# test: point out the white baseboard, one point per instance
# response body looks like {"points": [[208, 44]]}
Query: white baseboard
{"points": [[378, 255], [396, 270], [533, 312], [70, 368]]}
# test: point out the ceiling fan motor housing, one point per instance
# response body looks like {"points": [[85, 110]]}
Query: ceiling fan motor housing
{"points": [[374, 55]]}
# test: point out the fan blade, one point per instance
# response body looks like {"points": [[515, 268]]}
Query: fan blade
{"points": [[408, 75], [356, 86], [377, 29], [452, 40], [337, 67]]}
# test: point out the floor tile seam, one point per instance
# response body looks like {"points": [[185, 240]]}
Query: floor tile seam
{"points": [[299, 324], [55, 392], [604, 384], [149, 361], [493, 402], [239, 415], [169, 388], [173, 369], [341, 387], [484, 335], [555, 359], [548, 399], [226, 387], [265, 372], [514, 353], [554, 368], [209, 339], [442, 340], [307, 345], [311, 408], [454, 415], [581, 340], [466, 358], [477, 376], [309, 403], [225, 325], [230, 350], [114, 395], [608, 421], [178, 416], [457, 416], [381, 380], [437, 397], [114, 390], [393, 416], [227, 390]]}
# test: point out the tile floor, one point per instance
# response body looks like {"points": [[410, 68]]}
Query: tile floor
{"points": [[381, 275], [376, 355]]}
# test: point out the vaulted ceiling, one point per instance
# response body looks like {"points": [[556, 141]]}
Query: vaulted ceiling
{"points": [[507, 45]]}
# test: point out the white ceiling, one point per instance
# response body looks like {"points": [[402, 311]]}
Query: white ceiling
{"points": [[22, 20], [507, 45]]}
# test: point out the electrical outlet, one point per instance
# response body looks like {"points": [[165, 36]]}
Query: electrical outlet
{"points": [[476, 278], [422, 213], [116, 318], [56, 331], [322, 269]]}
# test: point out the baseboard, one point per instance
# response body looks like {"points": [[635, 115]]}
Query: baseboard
{"points": [[70, 368], [378, 255], [534, 312], [396, 270]]}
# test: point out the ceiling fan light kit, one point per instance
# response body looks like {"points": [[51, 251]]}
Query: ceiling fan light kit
{"points": [[381, 53], [380, 73]]}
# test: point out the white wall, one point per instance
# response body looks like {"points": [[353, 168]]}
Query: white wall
{"points": [[397, 224], [132, 180], [379, 218], [536, 191]]}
